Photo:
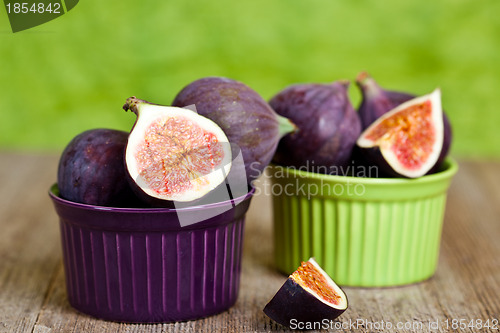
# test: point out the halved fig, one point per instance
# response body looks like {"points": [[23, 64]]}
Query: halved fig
{"points": [[174, 154], [406, 141], [377, 100], [308, 295]]}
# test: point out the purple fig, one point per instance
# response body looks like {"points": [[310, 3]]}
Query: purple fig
{"points": [[328, 127], [245, 117], [92, 170], [376, 101]]}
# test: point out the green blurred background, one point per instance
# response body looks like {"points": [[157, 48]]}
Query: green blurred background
{"points": [[74, 73]]}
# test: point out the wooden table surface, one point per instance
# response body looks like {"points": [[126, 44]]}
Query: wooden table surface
{"points": [[465, 287]]}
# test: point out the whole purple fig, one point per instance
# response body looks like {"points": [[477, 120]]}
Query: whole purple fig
{"points": [[92, 169], [328, 127], [377, 101], [244, 116]]}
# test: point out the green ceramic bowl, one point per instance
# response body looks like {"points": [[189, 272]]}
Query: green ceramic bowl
{"points": [[363, 231]]}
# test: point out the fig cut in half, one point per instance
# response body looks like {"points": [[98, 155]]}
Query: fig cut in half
{"points": [[308, 295], [407, 140], [174, 154]]}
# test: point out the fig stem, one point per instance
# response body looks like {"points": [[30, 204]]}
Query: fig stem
{"points": [[132, 104], [368, 85], [362, 77], [285, 126], [344, 83]]}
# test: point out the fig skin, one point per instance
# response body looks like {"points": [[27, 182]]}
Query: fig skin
{"points": [[328, 126], [377, 101], [245, 117], [294, 302], [92, 170], [373, 157]]}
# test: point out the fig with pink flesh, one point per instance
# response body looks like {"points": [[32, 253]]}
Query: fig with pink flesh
{"points": [[246, 118], [406, 141], [328, 127], [91, 170], [376, 101], [309, 295], [174, 154]]}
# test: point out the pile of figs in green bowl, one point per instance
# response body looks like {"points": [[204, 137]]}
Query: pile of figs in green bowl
{"points": [[362, 191]]}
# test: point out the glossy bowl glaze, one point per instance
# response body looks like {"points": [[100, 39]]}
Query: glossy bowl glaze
{"points": [[363, 231], [141, 265]]}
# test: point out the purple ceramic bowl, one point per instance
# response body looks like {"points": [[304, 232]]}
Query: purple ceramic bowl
{"points": [[141, 265]]}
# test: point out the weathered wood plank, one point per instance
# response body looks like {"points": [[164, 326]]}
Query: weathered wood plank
{"points": [[29, 249], [465, 286]]}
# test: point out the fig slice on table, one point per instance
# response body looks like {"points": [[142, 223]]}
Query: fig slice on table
{"points": [[175, 154], [406, 141], [308, 295]]}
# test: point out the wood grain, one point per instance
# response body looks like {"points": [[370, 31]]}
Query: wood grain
{"points": [[466, 285]]}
